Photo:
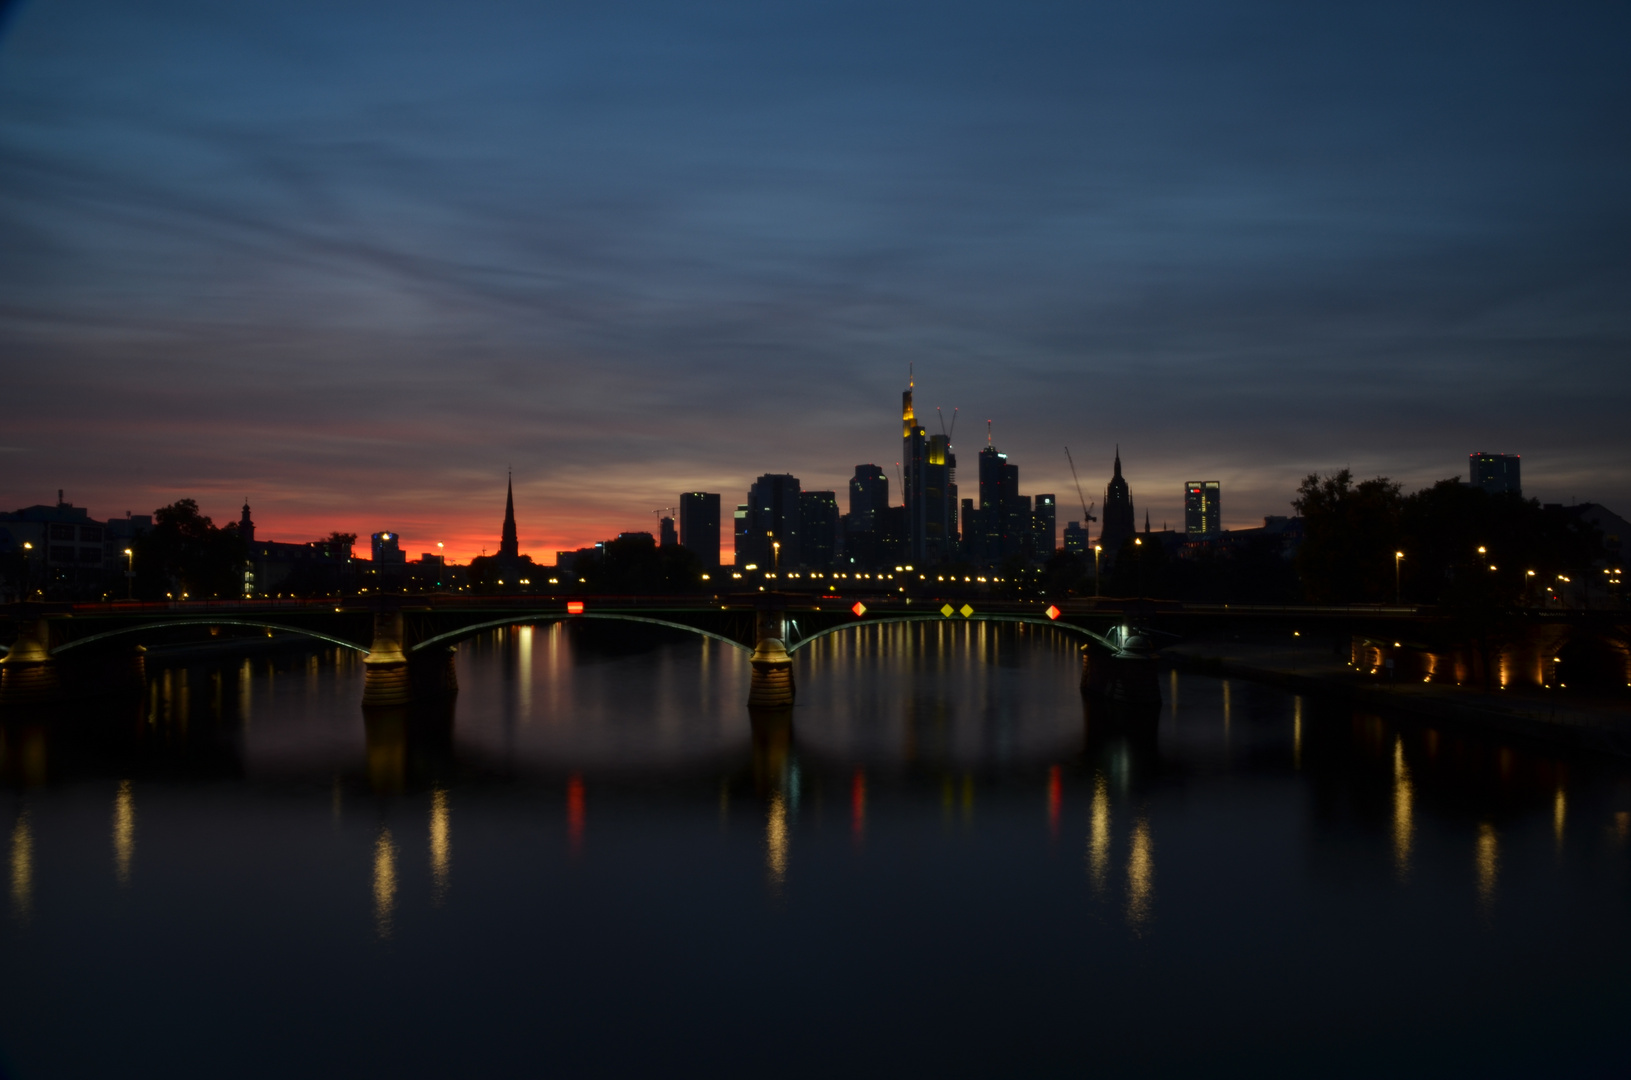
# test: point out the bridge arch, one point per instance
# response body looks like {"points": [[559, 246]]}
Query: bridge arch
{"points": [[169, 623], [453, 637], [938, 618]]}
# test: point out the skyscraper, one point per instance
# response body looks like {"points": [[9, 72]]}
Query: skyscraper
{"points": [[992, 546], [868, 493], [1044, 524], [699, 525], [667, 537], [1203, 508], [913, 459], [818, 529], [772, 518], [1495, 473], [1120, 523], [1075, 538]]}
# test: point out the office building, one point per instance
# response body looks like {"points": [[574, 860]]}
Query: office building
{"points": [[1076, 539], [1203, 513], [771, 526], [818, 530], [1044, 525], [1495, 473], [868, 493], [667, 536], [699, 525]]}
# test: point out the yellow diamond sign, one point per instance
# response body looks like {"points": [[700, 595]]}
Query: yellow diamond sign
{"points": [[947, 611], [966, 610]]}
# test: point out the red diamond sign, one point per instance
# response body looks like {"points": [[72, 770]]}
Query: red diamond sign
{"points": [[1052, 612], [859, 609]]}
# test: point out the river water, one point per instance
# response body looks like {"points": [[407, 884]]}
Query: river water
{"points": [[592, 863]]}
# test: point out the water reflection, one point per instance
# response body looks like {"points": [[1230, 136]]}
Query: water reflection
{"points": [[776, 842], [857, 804], [1488, 861], [22, 868], [1558, 810], [576, 814], [124, 832], [1403, 825], [1098, 835], [441, 847], [384, 884], [1140, 877], [1297, 732]]}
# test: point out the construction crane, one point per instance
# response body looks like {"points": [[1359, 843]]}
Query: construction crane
{"points": [[1087, 514], [947, 432]]}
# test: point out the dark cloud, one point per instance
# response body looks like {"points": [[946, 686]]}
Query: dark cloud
{"points": [[356, 259]]}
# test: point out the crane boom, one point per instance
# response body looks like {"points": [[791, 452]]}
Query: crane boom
{"points": [[1087, 515]]}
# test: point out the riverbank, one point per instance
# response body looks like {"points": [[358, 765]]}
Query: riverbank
{"points": [[1598, 723]]}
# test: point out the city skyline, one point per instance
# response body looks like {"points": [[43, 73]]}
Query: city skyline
{"points": [[354, 268]]}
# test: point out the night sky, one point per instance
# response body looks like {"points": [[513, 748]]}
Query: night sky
{"points": [[353, 260]]}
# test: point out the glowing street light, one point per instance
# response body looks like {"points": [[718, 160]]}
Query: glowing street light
{"points": [[130, 574], [1398, 593]]}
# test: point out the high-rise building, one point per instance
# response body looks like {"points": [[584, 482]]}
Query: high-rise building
{"points": [[994, 500], [818, 529], [1044, 524], [388, 550], [1075, 538], [936, 541], [772, 520], [868, 493], [1496, 473], [1120, 523], [1203, 508], [739, 534], [668, 537], [699, 525]]}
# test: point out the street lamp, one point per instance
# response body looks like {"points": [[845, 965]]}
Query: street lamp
{"points": [[776, 555], [1398, 594], [1096, 549], [130, 574]]}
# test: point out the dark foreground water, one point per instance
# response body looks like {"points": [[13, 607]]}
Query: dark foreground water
{"points": [[590, 865]]}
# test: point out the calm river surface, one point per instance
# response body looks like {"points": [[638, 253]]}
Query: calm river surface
{"points": [[589, 864]]}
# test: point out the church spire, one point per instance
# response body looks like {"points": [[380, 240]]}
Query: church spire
{"points": [[509, 547], [1118, 461]]}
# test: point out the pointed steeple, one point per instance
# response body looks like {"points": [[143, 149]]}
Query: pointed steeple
{"points": [[509, 547], [1118, 461]]}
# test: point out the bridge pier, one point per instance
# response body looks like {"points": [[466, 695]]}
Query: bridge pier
{"points": [[1127, 674], [28, 673], [385, 670], [772, 685]]}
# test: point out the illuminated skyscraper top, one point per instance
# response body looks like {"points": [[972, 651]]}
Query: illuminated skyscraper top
{"points": [[908, 420], [509, 547]]}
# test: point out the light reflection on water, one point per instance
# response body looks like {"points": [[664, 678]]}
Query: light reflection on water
{"points": [[624, 823]]}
